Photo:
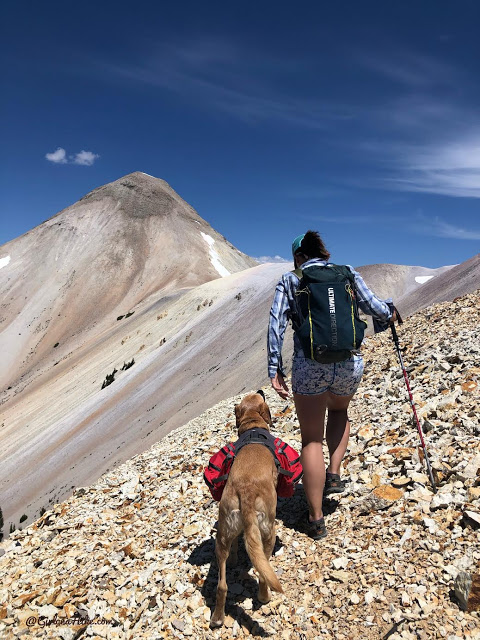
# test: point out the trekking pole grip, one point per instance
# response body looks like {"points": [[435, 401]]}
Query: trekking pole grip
{"points": [[393, 309], [394, 333]]}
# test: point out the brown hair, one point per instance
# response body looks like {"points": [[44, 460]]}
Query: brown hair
{"points": [[312, 246]]}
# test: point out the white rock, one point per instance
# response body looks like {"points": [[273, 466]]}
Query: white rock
{"points": [[48, 610], [247, 604], [441, 500], [406, 536], [470, 471], [472, 518], [128, 489], [340, 563]]}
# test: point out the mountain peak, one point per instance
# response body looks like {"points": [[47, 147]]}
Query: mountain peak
{"points": [[121, 243], [143, 179], [141, 195]]}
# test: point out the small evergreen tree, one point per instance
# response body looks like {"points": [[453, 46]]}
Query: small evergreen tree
{"points": [[127, 365], [109, 379]]}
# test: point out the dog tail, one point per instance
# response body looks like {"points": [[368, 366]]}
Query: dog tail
{"points": [[254, 545]]}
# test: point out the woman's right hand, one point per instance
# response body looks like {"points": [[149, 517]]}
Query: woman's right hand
{"points": [[280, 386]]}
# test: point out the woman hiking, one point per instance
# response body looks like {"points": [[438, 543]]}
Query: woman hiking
{"points": [[319, 386]]}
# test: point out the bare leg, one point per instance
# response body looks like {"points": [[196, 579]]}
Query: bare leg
{"points": [[338, 429], [311, 415]]}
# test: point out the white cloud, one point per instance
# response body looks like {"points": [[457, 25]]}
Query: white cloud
{"points": [[58, 157], [264, 259], [426, 138], [411, 69], [451, 168], [85, 158], [233, 80], [416, 223], [441, 229]]}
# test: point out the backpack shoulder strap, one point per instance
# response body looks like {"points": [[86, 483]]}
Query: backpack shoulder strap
{"points": [[344, 270]]}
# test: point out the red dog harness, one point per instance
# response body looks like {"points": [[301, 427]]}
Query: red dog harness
{"points": [[286, 459]]}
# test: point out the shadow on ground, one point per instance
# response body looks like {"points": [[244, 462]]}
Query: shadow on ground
{"points": [[293, 511], [241, 585]]}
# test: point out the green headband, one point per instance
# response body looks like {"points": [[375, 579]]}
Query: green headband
{"points": [[296, 243]]}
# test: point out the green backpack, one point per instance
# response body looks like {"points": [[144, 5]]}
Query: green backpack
{"points": [[331, 328]]}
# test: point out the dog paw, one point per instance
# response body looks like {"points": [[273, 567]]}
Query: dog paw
{"points": [[216, 622], [264, 596]]}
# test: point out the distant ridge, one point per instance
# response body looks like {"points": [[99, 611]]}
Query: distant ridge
{"points": [[397, 280], [456, 281]]}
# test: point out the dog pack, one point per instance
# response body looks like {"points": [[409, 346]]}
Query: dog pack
{"points": [[286, 459], [329, 328]]}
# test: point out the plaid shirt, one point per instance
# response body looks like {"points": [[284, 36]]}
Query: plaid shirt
{"points": [[285, 305]]}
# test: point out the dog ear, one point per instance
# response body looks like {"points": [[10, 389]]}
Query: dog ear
{"points": [[265, 414], [237, 414]]}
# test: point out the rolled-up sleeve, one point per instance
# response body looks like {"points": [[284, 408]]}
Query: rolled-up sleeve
{"points": [[368, 301], [279, 315]]}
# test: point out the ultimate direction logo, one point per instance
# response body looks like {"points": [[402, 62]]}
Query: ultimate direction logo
{"points": [[333, 316]]}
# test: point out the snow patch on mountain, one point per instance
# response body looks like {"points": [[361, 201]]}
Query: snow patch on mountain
{"points": [[214, 257], [423, 279], [4, 261]]}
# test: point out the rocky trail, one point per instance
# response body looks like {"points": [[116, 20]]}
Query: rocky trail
{"points": [[133, 555]]}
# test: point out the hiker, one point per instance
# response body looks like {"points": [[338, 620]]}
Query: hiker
{"points": [[319, 386]]}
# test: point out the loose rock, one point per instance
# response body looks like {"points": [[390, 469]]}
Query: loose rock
{"points": [[137, 547]]}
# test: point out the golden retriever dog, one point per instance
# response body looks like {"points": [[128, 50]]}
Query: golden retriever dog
{"points": [[248, 504]]}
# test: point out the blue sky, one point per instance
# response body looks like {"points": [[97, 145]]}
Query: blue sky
{"points": [[358, 119]]}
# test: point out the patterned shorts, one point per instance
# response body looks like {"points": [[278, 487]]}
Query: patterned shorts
{"points": [[312, 378]]}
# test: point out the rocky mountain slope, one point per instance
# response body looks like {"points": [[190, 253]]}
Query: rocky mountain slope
{"points": [[135, 551], [118, 324], [64, 282], [190, 350]]}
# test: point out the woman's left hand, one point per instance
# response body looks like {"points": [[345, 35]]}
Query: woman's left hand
{"points": [[280, 386]]}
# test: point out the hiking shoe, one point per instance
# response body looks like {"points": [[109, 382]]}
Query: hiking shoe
{"points": [[316, 528], [333, 484]]}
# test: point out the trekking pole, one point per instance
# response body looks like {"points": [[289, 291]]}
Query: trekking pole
{"points": [[416, 420]]}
